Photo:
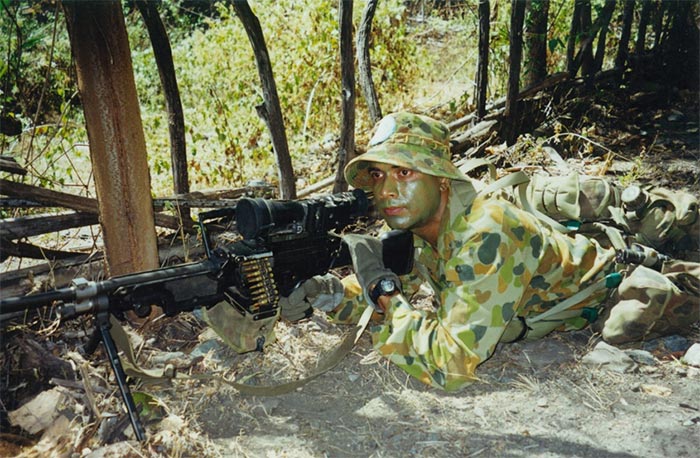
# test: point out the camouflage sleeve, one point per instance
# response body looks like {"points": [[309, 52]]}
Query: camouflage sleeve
{"points": [[443, 347], [350, 310]]}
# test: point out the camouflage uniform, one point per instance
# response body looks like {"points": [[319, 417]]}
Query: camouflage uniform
{"points": [[495, 266]]}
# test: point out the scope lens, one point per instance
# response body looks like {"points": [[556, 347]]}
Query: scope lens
{"points": [[257, 217]]}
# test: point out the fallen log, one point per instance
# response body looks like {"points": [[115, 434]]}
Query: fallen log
{"points": [[27, 250], [10, 165], [78, 203], [461, 141], [28, 226]]}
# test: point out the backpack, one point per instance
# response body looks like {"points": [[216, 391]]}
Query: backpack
{"points": [[665, 220], [658, 218]]}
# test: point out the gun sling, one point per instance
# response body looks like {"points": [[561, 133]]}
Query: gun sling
{"points": [[330, 360]]}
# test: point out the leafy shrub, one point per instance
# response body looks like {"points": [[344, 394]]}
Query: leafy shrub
{"points": [[219, 86], [425, 63]]}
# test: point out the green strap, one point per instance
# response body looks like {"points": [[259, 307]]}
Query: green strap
{"points": [[614, 235], [473, 164], [132, 369], [520, 180], [609, 281], [510, 180]]}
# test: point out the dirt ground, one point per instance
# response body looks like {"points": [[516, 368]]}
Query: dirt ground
{"points": [[535, 399]]}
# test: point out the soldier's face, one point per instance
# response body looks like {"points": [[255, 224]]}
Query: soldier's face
{"points": [[406, 199]]}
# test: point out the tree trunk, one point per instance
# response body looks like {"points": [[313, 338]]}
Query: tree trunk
{"points": [[482, 72], [536, 41], [623, 48], [364, 64], [117, 144], [574, 30], [602, 23], [346, 150], [658, 23], [642, 30], [270, 111], [517, 18], [587, 34], [679, 62], [176, 119]]}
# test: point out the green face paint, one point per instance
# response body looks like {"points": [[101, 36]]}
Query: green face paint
{"points": [[406, 199]]}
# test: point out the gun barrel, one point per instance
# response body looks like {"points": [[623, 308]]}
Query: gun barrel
{"points": [[17, 304], [73, 292]]}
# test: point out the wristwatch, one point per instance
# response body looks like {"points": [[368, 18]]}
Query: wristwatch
{"points": [[385, 287]]}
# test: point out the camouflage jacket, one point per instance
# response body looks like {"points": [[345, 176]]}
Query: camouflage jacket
{"points": [[493, 262]]}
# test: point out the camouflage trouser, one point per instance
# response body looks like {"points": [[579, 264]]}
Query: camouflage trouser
{"points": [[650, 304]]}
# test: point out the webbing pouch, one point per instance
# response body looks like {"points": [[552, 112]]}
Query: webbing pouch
{"points": [[241, 330], [573, 197], [665, 220]]}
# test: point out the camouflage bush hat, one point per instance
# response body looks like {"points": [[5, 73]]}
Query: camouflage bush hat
{"points": [[406, 140]]}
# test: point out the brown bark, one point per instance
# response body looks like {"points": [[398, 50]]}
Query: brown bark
{"points": [[166, 70], [659, 11], [10, 165], [573, 38], [270, 111], [482, 72], [517, 18], [346, 149], [536, 41], [40, 364], [52, 198], [363, 62], [587, 35], [117, 144], [28, 250], [680, 49], [623, 48], [640, 45], [602, 23], [27, 226], [584, 57]]}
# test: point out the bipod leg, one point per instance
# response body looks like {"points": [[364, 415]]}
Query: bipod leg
{"points": [[113, 355], [94, 340]]}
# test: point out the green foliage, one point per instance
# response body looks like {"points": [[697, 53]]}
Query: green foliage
{"points": [[219, 85], [424, 62], [37, 87], [28, 42]]}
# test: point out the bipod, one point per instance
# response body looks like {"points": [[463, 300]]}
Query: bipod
{"points": [[102, 320]]}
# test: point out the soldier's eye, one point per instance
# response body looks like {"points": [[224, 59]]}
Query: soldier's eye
{"points": [[376, 174]]}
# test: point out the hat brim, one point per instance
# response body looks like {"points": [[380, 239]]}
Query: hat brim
{"points": [[357, 170]]}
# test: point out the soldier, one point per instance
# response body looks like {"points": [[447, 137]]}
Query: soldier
{"points": [[498, 273]]}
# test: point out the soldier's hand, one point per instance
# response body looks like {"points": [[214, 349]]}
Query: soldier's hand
{"points": [[323, 292], [367, 259]]}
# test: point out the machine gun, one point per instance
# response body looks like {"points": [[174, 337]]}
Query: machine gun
{"points": [[283, 244]]}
